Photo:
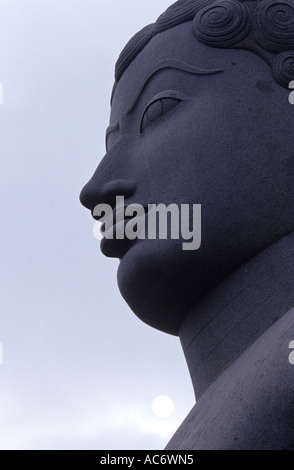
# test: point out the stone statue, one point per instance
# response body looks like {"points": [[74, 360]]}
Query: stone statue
{"points": [[201, 115]]}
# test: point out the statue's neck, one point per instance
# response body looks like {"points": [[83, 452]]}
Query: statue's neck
{"points": [[227, 321]]}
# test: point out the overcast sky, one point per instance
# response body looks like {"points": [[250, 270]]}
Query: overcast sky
{"points": [[80, 370]]}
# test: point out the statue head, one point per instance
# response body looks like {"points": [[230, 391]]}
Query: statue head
{"points": [[200, 115]]}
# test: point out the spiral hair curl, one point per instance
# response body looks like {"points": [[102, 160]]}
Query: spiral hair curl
{"points": [[265, 27]]}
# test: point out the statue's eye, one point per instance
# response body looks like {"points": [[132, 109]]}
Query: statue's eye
{"points": [[156, 110]]}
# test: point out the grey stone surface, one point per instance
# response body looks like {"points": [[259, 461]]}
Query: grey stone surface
{"points": [[201, 115], [251, 405]]}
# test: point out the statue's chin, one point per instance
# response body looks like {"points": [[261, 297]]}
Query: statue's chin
{"points": [[154, 287], [138, 277]]}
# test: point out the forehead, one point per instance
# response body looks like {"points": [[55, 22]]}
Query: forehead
{"points": [[178, 44]]}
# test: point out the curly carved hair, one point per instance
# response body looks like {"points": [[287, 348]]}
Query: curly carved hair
{"points": [[265, 27]]}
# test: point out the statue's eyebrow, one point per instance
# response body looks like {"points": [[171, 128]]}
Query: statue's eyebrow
{"points": [[170, 64]]}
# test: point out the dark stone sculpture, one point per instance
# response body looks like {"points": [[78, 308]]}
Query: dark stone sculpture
{"points": [[201, 115]]}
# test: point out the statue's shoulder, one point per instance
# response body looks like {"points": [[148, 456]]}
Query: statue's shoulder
{"points": [[251, 405]]}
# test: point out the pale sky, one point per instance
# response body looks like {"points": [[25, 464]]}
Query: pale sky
{"points": [[80, 370]]}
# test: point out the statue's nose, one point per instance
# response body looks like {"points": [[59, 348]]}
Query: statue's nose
{"points": [[94, 193], [112, 178]]}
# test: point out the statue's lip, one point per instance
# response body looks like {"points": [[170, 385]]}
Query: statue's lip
{"points": [[126, 219], [113, 247], [116, 209]]}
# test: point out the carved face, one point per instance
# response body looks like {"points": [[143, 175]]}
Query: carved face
{"points": [[192, 124]]}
